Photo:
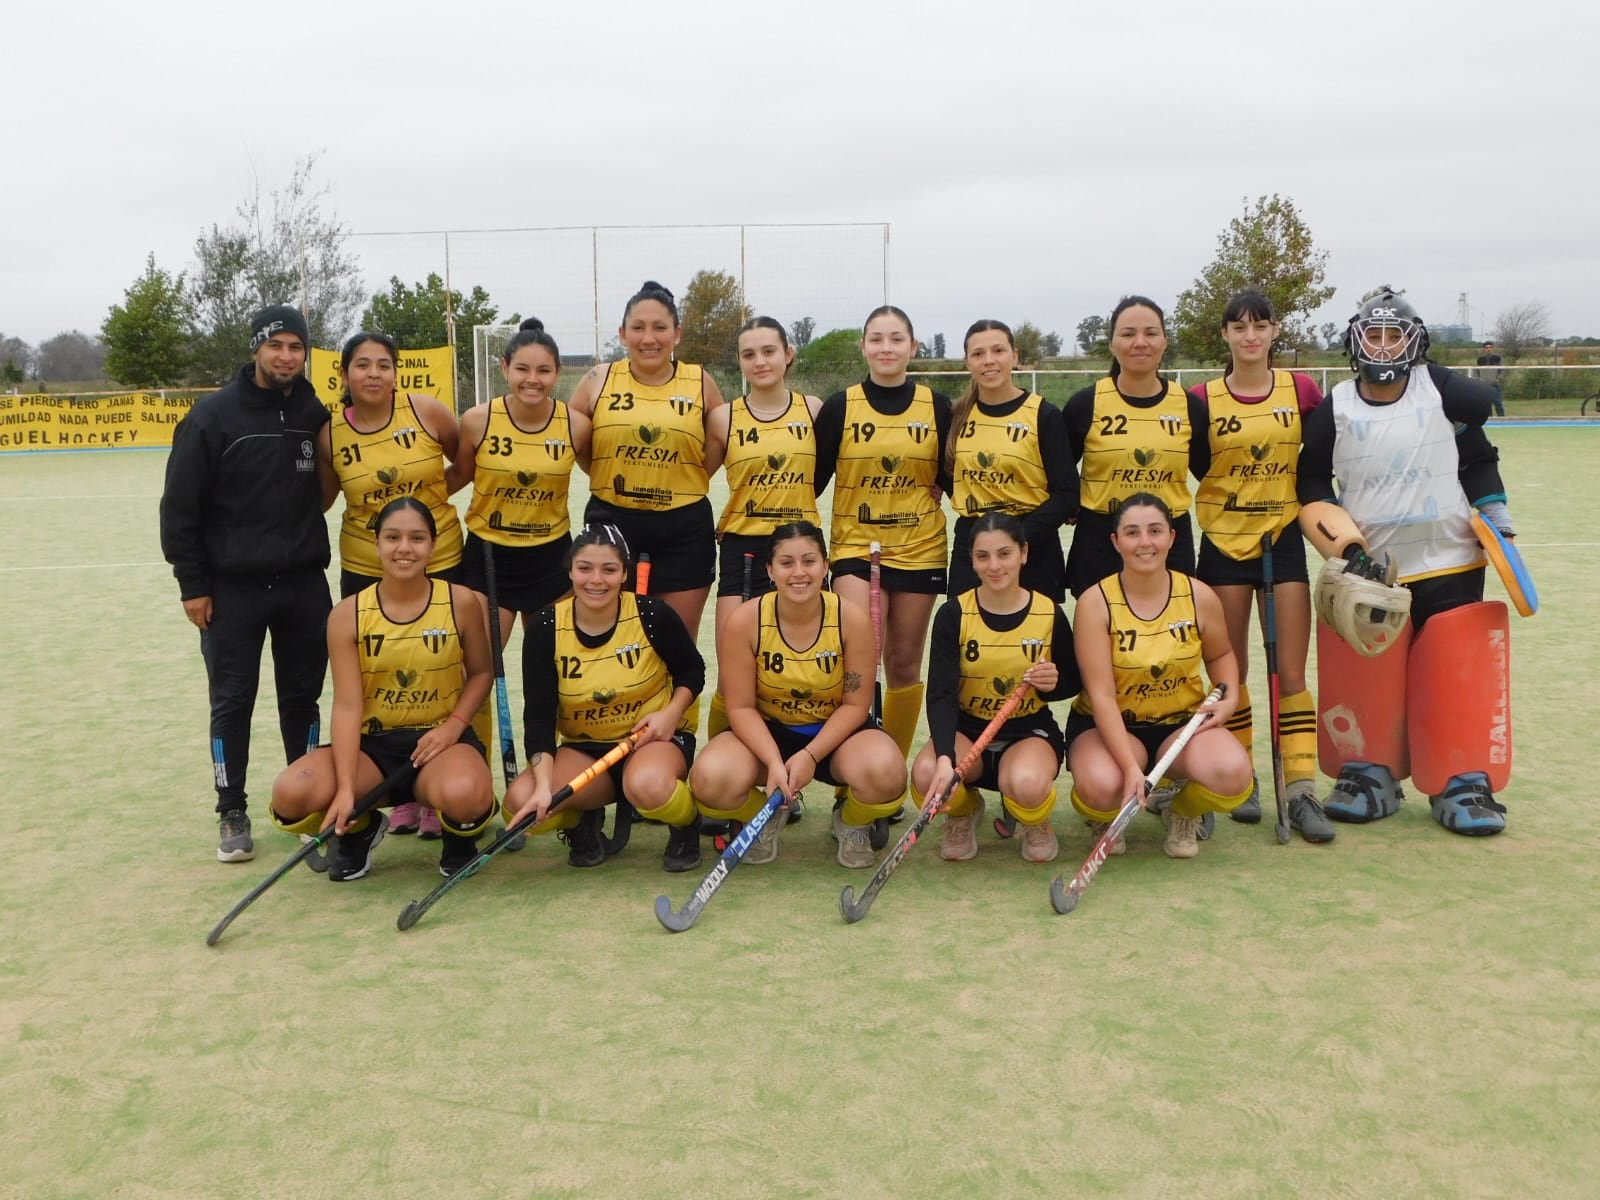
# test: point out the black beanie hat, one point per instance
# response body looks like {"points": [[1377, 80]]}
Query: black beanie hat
{"points": [[278, 318]]}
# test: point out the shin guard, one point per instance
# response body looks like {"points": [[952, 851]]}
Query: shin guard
{"points": [[1242, 723], [901, 708], [1362, 704], [307, 826], [1297, 736], [1458, 697]]}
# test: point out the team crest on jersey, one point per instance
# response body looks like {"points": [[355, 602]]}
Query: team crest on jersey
{"points": [[681, 404], [828, 660], [434, 639], [919, 431], [628, 655], [405, 678], [1033, 648], [1283, 416], [555, 447], [1182, 631], [798, 429], [406, 437], [1171, 423], [1016, 430]]}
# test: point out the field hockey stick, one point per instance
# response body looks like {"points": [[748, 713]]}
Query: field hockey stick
{"points": [[641, 576], [1270, 624], [875, 608], [316, 860], [721, 832], [1064, 898], [508, 745], [313, 845], [854, 909], [412, 912], [677, 920], [624, 816]]}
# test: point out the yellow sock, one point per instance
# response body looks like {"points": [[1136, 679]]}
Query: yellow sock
{"points": [[962, 803], [1098, 816], [856, 812], [310, 823], [565, 818], [483, 726], [1297, 736], [716, 717], [678, 810], [744, 814], [1031, 816], [901, 708], [1194, 800], [1242, 723]]}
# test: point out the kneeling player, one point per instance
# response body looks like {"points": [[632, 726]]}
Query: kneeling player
{"points": [[1431, 699]]}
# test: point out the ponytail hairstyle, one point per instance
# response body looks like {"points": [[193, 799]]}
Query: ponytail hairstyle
{"points": [[1123, 305], [400, 504], [1250, 304], [358, 340], [796, 529], [601, 535], [531, 333], [651, 290], [962, 408], [998, 520], [771, 323]]}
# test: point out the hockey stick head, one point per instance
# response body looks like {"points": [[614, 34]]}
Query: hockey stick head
{"points": [[848, 908], [670, 918]]}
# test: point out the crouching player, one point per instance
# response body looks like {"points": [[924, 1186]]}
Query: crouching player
{"points": [[1430, 699]]}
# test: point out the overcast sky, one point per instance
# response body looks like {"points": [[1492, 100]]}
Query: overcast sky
{"points": [[1033, 160]]}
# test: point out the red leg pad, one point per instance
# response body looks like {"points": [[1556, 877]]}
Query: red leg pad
{"points": [[1458, 697], [1361, 704]]}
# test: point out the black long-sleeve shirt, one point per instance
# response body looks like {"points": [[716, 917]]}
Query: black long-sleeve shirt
{"points": [[945, 718], [541, 688], [891, 402], [242, 496]]}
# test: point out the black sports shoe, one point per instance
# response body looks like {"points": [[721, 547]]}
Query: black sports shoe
{"points": [[878, 833], [233, 837], [585, 845], [457, 853], [352, 853], [797, 809], [683, 847]]}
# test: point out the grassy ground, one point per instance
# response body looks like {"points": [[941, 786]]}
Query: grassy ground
{"points": [[1403, 1013]]}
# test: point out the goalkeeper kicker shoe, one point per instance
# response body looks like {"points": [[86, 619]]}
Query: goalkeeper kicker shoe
{"points": [[1468, 807], [1363, 792]]}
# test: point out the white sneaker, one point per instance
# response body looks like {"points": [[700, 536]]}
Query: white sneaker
{"points": [[1039, 843], [1183, 836], [855, 851], [765, 848], [960, 842]]}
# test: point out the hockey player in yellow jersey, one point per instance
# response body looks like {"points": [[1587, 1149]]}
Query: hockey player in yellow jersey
{"points": [[986, 641], [411, 664], [1147, 638], [795, 665], [600, 666]]}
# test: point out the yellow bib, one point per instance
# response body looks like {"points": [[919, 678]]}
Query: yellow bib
{"points": [[411, 674], [400, 459], [883, 481], [772, 469], [999, 463], [1132, 450], [804, 685], [649, 440], [992, 663], [603, 692], [520, 479], [1255, 449], [1156, 664]]}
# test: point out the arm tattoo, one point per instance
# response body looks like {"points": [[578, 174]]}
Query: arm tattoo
{"points": [[535, 759], [852, 682]]}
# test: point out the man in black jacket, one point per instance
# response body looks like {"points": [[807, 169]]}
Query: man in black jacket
{"points": [[242, 526]]}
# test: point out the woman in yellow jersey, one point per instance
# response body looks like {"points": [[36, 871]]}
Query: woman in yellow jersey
{"points": [[1143, 636], [1008, 452], [518, 452], [387, 444], [881, 443], [796, 668], [767, 442], [1130, 432], [986, 641], [411, 665], [599, 666], [650, 457], [1247, 463]]}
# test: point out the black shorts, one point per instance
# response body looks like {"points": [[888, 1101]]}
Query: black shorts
{"points": [[791, 741], [392, 750], [894, 579], [730, 565], [1288, 563], [681, 542], [598, 750], [350, 583], [996, 750], [1093, 557], [1430, 597], [1149, 734], [526, 578], [1045, 571]]}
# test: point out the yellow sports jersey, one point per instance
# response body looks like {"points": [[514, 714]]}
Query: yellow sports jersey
{"points": [[1157, 664], [1132, 450], [649, 440], [883, 484], [605, 691], [411, 674], [799, 686], [999, 462], [1255, 448], [772, 469], [400, 459], [520, 479], [992, 663]]}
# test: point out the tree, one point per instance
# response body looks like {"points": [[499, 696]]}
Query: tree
{"points": [[1094, 335], [11, 373], [710, 315], [71, 356], [1029, 339], [16, 357], [1269, 248], [1332, 335], [1050, 345], [801, 331], [836, 351], [147, 335], [1521, 327], [282, 250], [938, 345], [422, 315]]}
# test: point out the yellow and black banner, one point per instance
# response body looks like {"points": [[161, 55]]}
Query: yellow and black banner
{"points": [[133, 421], [431, 372]]}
